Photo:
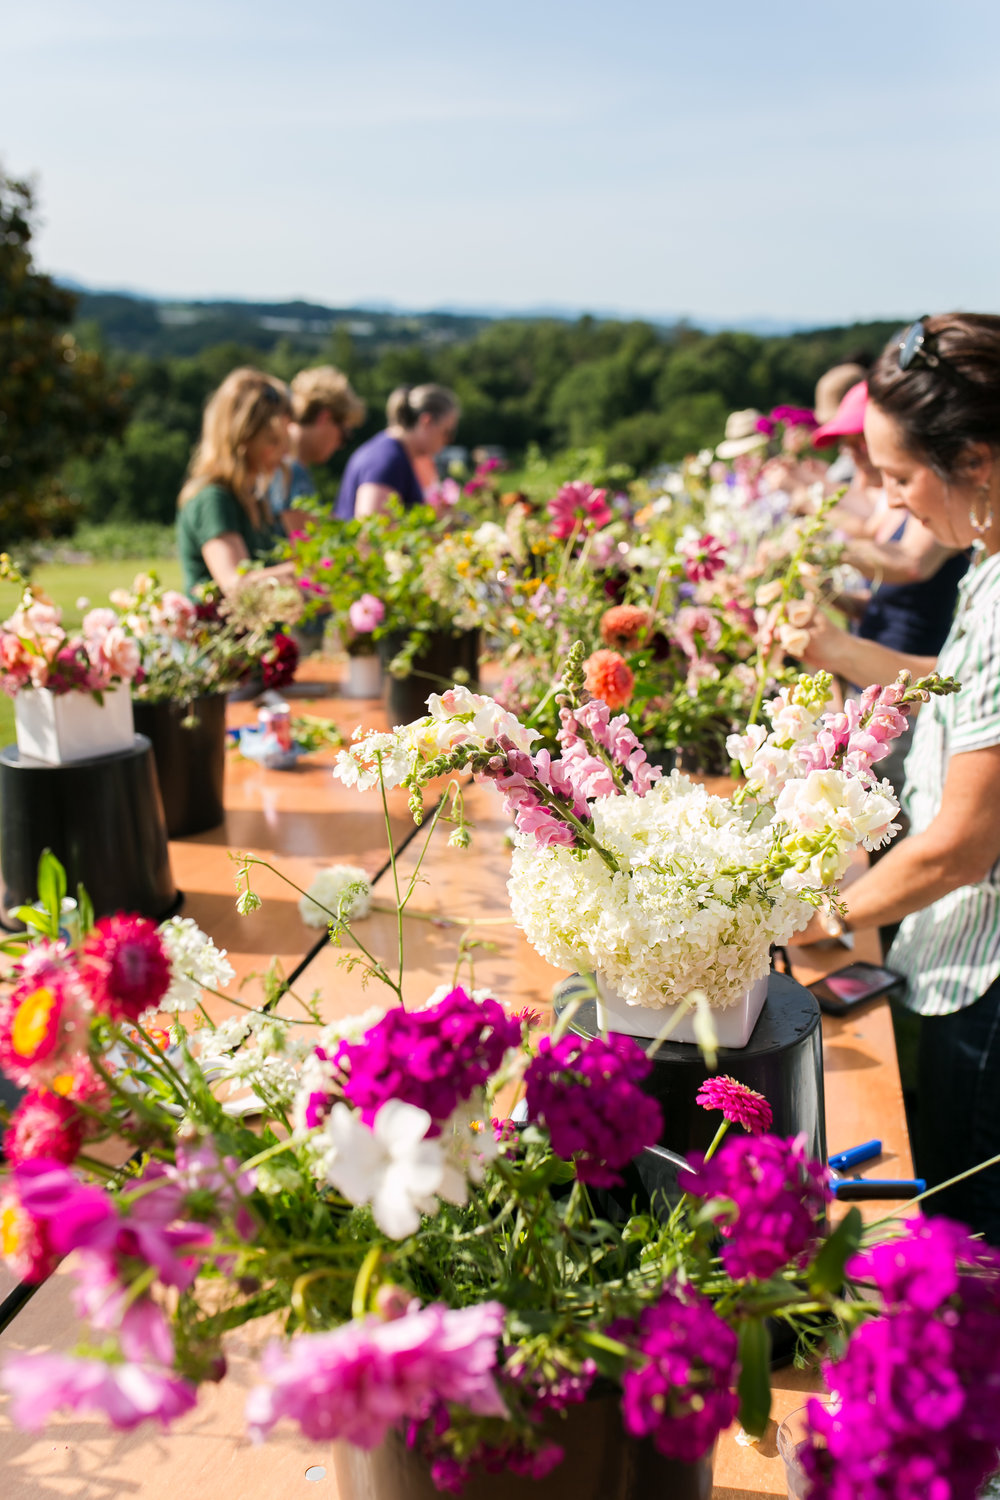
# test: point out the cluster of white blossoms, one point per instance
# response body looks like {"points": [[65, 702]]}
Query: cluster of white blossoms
{"points": [[321, 903], [687, 909], [196, 964], [457, 717]]}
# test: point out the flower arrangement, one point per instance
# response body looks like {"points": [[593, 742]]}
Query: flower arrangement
{"points": [[445, 1279], [37, 652], [661, 888]]}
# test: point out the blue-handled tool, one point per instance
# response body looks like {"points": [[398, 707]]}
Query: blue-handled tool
{"points": [[855, 1155], [852, 1189]]}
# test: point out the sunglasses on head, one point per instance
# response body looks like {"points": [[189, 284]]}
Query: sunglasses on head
{"points": [[916, 345]]}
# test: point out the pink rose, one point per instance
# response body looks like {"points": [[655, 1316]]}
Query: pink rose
{"points": [[365, 614]]}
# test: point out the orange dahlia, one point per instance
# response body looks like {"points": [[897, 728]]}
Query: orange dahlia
{"points": [[622, 624], [607, 675]]}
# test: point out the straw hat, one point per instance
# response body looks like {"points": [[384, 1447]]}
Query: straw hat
{"points": [[832, 387], [742, 434]]}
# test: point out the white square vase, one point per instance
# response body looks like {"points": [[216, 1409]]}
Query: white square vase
{"points": [[734, 1025], [59, 728]]}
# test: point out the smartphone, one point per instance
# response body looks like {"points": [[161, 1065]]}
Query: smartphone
{"points": [[843, 989]]}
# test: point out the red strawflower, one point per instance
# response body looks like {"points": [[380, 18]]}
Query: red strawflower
{"points": [[740, 1105], [43, 1125], [607, 675], [278, 664], [125, 967], [622, 625]]}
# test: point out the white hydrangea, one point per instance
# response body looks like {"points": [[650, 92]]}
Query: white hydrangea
{"points": [[196, 964], [321, 903]]}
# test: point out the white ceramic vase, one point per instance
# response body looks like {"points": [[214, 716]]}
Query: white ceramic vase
{"points": [[734, 1025], [59, 728], [364, 677]]}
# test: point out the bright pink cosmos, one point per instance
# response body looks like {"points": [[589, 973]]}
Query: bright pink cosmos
{"points": [[433, 1058], [125, 967], [778, 1196], [365, 614], [739, 1105], [356, 1383], [587, 1095], [682, 1394], [126, 1394], [579, 505], [43, 1125]]}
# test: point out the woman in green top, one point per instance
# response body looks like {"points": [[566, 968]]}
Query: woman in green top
{"points": [[223, 517]]}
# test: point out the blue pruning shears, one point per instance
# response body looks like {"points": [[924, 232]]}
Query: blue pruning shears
{"points": [[851, 1189]]}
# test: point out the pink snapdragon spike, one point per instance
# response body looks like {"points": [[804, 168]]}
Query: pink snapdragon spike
{"points": [[359, 1381], [127, 1394], [739, 1104], [365, 614], [917, 1391], [579, 506]]}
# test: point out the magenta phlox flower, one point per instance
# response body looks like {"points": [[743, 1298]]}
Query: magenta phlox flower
{"points": [[587, 1094], [777, 1194], [433, 1059], [682, 1392], [578, 505], [739, 1104], [126, 1394], [356, 1383]]}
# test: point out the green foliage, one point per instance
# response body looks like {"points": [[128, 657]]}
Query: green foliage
{"points": [[56, 398]]}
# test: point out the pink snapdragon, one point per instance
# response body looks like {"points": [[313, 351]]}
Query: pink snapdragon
{"points": [[358, 1382], [365, 614], [579, 507]]}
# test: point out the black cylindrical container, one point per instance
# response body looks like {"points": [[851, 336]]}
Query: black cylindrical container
{"points": [[190, 759], [433, 670], [102, 819]]}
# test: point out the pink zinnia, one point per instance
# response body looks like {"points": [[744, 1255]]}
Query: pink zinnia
{"points": [[740, 1105], [125, 967], [579, 505], [358, 1382], [609, 676], [126, 1394]]}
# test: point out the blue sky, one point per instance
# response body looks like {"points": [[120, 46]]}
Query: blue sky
{"points": [[804, 162]]}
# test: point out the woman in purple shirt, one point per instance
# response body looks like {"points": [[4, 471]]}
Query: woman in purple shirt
{"points": [[422, 420]]}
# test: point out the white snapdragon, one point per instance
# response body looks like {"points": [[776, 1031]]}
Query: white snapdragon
{"points": [[196, 964], [321, 903]]}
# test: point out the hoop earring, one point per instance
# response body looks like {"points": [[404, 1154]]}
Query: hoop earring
{"points": [[980, 528]]}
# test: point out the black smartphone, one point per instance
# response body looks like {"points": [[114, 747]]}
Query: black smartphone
{"points": [[852, 985]]}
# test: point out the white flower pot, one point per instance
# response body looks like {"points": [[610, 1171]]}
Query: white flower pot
{"points": [[59, 728], [364, 677], [733, 1025]]}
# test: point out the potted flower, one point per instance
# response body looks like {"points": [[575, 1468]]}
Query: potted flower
{"points": [[456, 1312], [364, 678], [659, 888], [71, 692]]}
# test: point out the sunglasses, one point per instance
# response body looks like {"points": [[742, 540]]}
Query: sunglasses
{"points": [[915, 344]]}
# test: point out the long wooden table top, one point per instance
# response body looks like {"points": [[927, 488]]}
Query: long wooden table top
{"points": [[303, 821]]}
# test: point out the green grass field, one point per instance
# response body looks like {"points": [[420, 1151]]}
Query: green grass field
{"points": [[68, 585]]}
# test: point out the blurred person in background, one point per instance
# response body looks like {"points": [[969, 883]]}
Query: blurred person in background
{"points": [[421, 421], [324, 411], [224, 520], [831, 388], [932, 426]]}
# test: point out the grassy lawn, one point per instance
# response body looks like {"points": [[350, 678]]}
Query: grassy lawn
{"points": [[68, 583]]}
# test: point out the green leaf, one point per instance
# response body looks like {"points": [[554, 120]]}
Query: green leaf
{"points": [[31, 917], [86, 909], [826, 1274], [51, 886], [755, 1376]]}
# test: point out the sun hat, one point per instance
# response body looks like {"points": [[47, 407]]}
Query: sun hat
{"points": [[832, 387], [850, 418], [742, 434]]}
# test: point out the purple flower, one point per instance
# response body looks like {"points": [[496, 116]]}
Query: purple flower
{"points": [[740, 1105], [682, 1393], [587, 1095], [358, 1382], [777, 1195], [126, 1394], [433, 1059]]}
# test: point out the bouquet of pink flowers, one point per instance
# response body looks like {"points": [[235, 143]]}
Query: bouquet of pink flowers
{"points": [[36, 651]]}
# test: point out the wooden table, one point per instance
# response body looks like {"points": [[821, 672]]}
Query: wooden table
{"points": [[303, 821]]}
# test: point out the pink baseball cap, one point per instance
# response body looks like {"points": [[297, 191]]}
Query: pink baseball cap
{"points": [[849, 420]]}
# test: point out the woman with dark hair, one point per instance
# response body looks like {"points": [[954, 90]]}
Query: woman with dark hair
{"points": [[421, 421], [933, 429]]}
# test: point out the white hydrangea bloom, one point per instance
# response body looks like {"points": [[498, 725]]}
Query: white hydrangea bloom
{"points": [[196, 964], [321, 903]]}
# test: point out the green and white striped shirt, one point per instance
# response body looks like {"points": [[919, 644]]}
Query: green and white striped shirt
{"points": [[950, 951]]}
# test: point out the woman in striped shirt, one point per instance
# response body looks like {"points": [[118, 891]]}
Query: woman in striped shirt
{"points": [[933, 429]]}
